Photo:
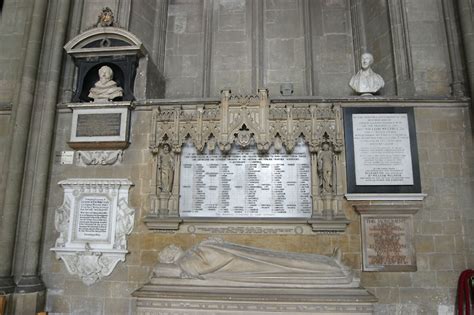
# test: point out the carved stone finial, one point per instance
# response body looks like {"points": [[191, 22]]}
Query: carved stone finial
{"points": [[106, 18]]}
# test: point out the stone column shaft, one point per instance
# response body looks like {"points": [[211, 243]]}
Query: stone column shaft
{"points": [[466, 8], [40, 144], [17, 157], [401, 48]]}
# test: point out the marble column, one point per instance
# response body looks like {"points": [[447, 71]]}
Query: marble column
{"points": [[35, 185], [17, 157]]}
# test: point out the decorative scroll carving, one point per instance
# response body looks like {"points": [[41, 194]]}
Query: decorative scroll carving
{"points": [[246, 120], [91, 266], [99, 157]]}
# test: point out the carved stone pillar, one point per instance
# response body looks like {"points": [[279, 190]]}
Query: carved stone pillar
{"points": [[454, 48], [401, 48]]}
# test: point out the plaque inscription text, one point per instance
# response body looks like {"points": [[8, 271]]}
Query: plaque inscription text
{"points": [[382, 153], [388, 243], [98, 125], [93, 218], [245, 184]]}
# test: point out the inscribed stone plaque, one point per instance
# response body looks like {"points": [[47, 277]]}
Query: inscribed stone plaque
{"points": [[245, 183], [93, 218], [382, 149], [92, 224], [388, 243], [100, 128], [98, 125]]}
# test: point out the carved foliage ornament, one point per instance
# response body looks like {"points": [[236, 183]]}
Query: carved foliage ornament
{"points": [[246, 119]]}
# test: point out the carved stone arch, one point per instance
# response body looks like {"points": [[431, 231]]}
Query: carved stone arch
{"points": [[105, 46], [102, 41]]}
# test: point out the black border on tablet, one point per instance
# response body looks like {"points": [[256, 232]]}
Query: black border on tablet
{"points": [[352, 188]]}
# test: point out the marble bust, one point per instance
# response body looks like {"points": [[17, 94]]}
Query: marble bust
{"points": [[216, 262], [106, 88], [366, 81]]}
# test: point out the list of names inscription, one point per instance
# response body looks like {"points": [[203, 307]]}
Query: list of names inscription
{"points": [[245, 184]]}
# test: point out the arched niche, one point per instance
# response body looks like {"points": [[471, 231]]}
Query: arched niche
{"points": [[111, 46]]}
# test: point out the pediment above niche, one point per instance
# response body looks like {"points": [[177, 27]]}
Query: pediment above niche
{"points": [[104, 41]]}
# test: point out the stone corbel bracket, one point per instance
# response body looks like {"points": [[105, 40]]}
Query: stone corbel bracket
{"points": [[93, 224], [246, 120]]}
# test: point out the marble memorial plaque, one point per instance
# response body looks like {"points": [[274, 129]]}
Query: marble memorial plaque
{"points": [[382, 149], [93, 218], [100, 128], [93, 224], [245, 184], [98, 125], [388, 243], [64, 157]]}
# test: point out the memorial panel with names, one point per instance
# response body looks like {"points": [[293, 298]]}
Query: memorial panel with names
{"points": [[245, 184], [381, 150], [388, 243]]}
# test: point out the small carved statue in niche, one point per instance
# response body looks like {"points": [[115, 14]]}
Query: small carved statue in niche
{"points": [[105, 88], [106, 18], [124, 224], [366, 81], [61, 222], [325, 169], [165, 169]]}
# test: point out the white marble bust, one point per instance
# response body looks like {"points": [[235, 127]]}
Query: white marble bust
{"points": [[105, 88], [366, 81]]}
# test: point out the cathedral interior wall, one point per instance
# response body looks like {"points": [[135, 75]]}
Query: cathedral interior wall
{"points": [[241, 45]]}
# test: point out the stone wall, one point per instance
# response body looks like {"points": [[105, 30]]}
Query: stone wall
{"points": [[429, 48], [442, 234], [14, 25], [379, 41]]}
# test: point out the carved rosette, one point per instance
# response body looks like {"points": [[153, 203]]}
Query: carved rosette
{"points": [[251, 120], [93, 224]]}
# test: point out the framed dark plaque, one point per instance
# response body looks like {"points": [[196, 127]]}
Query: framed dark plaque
{"points": [[381, 150]]}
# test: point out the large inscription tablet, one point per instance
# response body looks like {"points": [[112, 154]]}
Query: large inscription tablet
{"points": [[245, 184], [381, 150]]}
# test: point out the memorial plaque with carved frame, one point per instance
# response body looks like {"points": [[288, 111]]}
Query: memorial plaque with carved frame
{"points": [[388, 243], [381, 150]]}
